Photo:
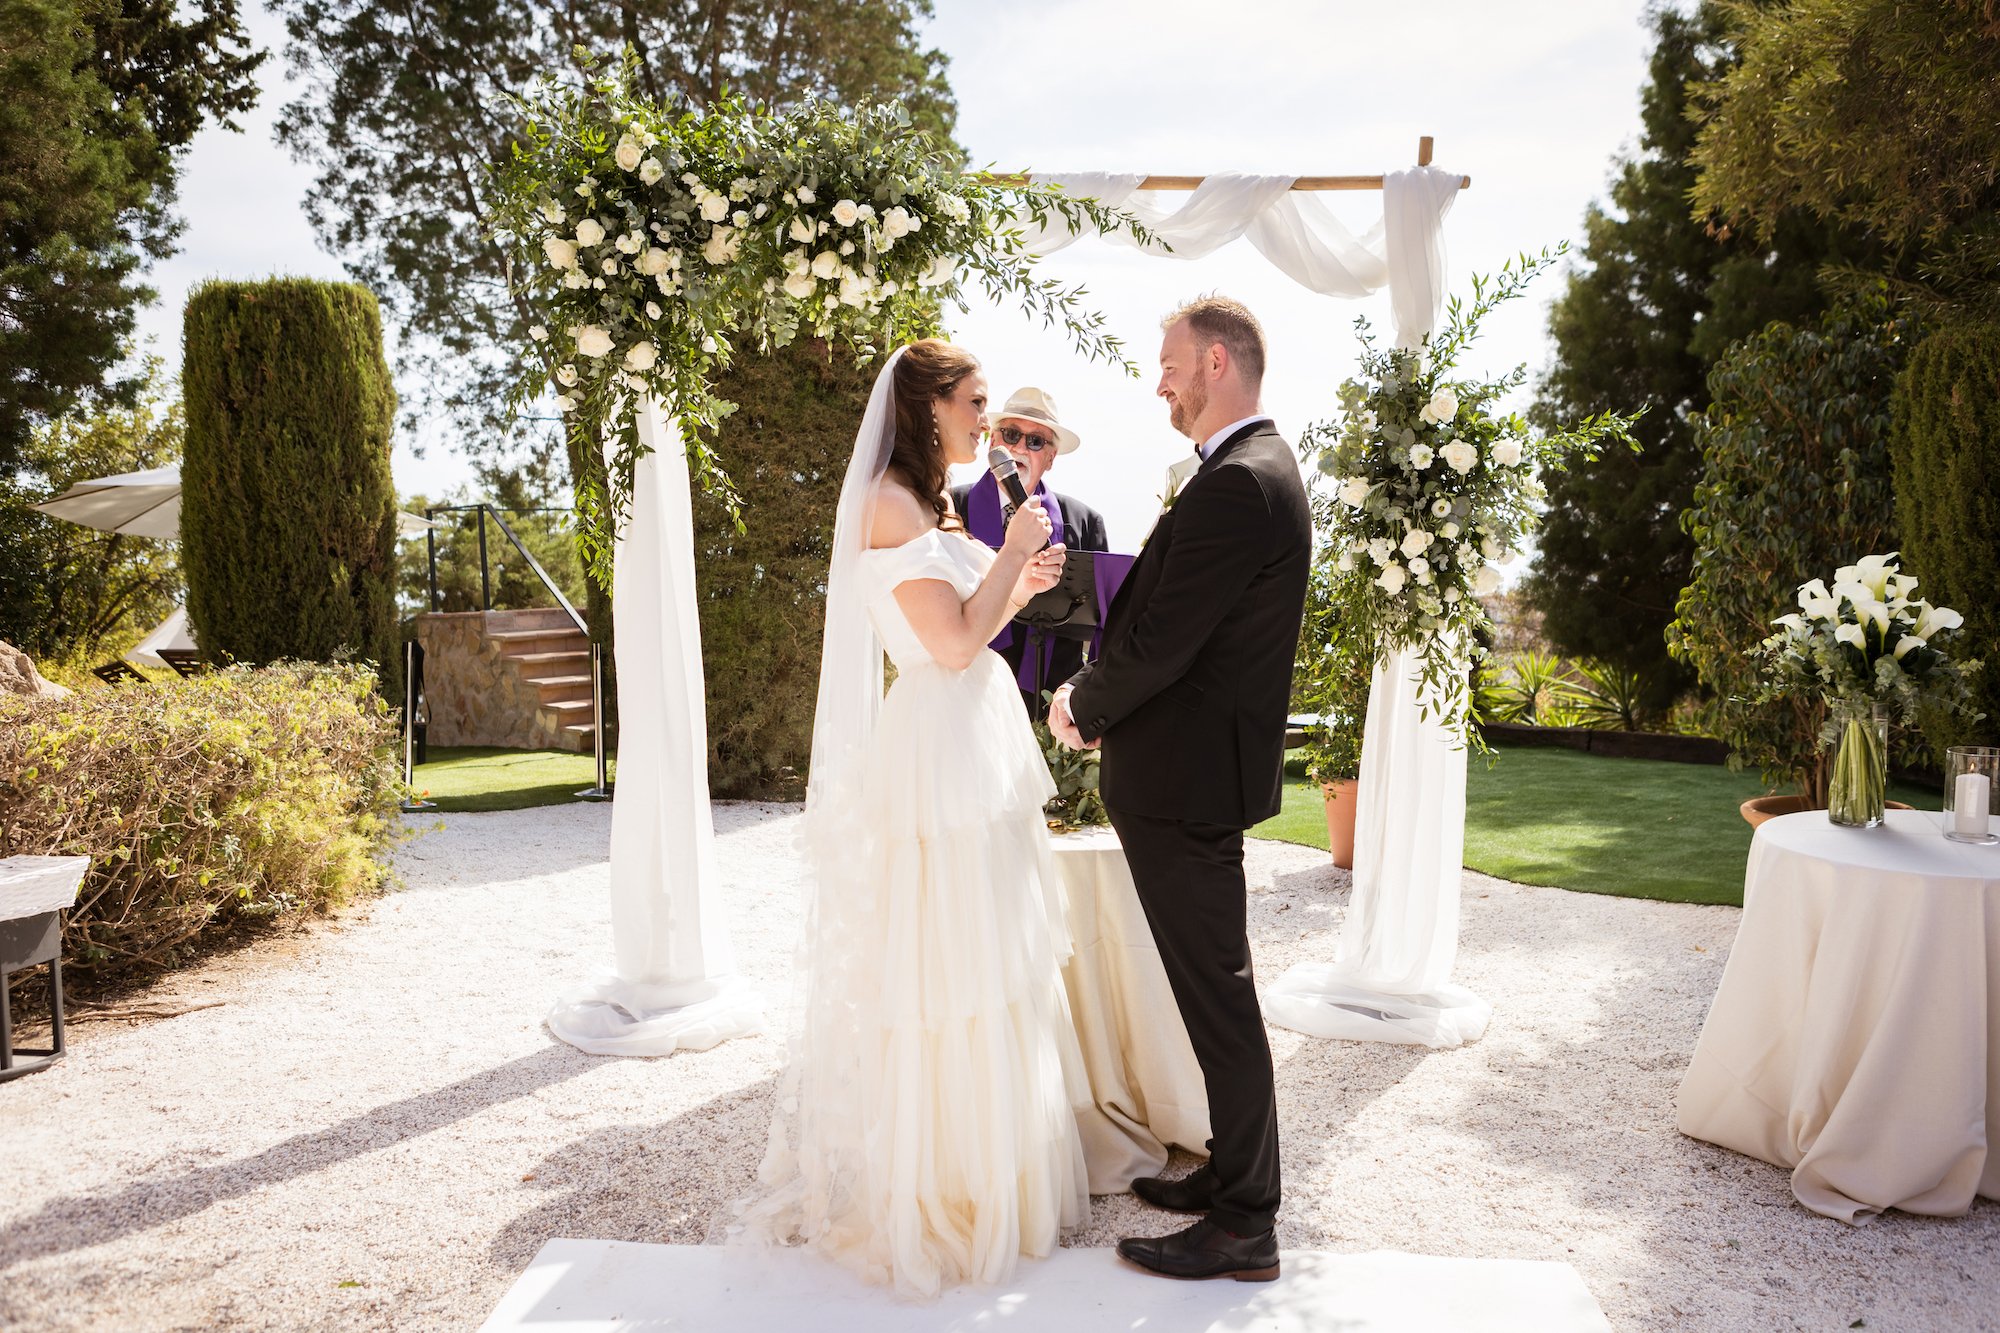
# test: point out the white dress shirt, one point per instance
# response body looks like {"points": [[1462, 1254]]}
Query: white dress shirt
{"points": [[1207, 446]]}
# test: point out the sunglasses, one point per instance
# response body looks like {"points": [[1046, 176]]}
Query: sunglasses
{"points": [[1034, 444]]}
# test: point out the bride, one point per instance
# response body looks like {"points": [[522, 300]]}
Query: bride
{"points": [[923, 1131]]}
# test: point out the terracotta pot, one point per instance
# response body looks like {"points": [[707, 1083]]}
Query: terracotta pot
{"points": [[1340, 802], [1760, 808]]}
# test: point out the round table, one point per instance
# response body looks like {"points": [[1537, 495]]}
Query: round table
{"points": [[1855, 1037], [1145, 1083]]}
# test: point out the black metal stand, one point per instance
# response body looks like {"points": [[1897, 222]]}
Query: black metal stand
{"points": [[603, 791]]}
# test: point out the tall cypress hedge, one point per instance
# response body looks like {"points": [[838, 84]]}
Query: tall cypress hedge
{"points": [[763, 590], [1946, 456], [288, 511]]}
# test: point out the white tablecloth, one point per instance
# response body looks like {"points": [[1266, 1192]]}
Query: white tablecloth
{"points": [[1144, 1078], [1856, 1034]]}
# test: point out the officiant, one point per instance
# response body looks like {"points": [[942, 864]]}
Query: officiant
{"points": [[1027, 428]]}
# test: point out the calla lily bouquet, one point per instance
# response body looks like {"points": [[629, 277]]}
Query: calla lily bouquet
{"points": [[1867, 641], [1429, 488]]}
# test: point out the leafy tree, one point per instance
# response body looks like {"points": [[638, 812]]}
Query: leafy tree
{"points": [[1657, 298], [1873, 113], [406, 113], [1947, 463], [101, 99], [1795, 484], [288, 514], [69, 594]]}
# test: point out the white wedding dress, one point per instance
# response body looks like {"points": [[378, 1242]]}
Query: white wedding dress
{"points": [[924, 1132]]}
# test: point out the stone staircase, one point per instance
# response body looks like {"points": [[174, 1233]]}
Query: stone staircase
{"points": [[519, 679]]}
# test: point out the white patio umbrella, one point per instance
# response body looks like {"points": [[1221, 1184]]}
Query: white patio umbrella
{"points": [[171, 633], [148, 504]]}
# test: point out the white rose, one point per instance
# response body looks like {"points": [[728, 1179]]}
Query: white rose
{"points": [[538, 333], [1354, 491], [866, 212], [565, 403], [806, 196], [576, 278], [1421, 457], [628, 154], [722, 245], [800, 230], [1415, 542], [653, 310], [609, 267], [591, 340], [1489, 548], [799, 286], [641, 356], [1463, 457], [1420, 567], [589, 232], [896, 223], [846, 213], [714, 208], [650, 171], [1391, 579], [566, 375], [560, 252], [1486, 582], [826, 264], [1451, 595], [554, 213], [1448, 531], [846, 248], [1344, 562], [1443, 405], [652, 261], [1507, 452], [631, 243]]}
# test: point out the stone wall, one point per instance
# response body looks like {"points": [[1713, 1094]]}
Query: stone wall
{"points": [[474, 694]]}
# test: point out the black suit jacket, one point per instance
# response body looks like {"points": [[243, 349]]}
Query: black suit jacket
{"points": [[1191, 691], [1083, 530]]}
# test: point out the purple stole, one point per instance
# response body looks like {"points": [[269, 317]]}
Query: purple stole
{"points": [[985, 518]]}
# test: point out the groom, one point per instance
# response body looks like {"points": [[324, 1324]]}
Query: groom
{"points": [[1189, 699]]}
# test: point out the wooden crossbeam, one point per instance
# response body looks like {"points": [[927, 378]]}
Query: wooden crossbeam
{"points": [[1311, 183]]}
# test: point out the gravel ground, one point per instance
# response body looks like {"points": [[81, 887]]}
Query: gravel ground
{"points": [[372, 1130]]}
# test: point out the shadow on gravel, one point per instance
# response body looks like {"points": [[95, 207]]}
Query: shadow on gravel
{"points": [[65, 1225]]}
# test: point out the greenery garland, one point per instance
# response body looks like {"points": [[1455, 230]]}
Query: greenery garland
{"points": [[655, 242]]}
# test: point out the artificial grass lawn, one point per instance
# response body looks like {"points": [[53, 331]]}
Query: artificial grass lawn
{"points": [[481, 777], [1637, 828]]}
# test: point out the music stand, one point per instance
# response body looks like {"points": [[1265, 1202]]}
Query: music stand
{"points": [[1075, 608]]}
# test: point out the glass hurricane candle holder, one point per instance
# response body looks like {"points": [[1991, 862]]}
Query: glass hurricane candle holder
{"points": [[1971, 775]]}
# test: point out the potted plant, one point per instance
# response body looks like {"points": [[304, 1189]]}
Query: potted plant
{"points": [[1866, 652], [1330, 687]]}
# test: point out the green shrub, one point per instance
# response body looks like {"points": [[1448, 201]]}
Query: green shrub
{"points": [[1795, 483], [763, 590], [237, 796], [1946, 450], [288, 511]]}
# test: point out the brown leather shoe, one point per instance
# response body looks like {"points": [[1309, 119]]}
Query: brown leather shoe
{"points": [[1205, 1251], [1194, 1193]]}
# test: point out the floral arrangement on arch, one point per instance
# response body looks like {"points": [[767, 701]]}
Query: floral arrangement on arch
{"points": [[653, 243], [1428, 488]]}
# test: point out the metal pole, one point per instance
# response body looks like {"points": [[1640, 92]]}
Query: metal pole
{"points": [[485, 580], [603, 790], [411, 802]]}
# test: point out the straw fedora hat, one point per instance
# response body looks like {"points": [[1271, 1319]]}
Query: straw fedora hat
{"points": [[1035, 405]]}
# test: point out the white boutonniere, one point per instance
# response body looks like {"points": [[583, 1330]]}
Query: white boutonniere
{"points": [[1178, 476]]}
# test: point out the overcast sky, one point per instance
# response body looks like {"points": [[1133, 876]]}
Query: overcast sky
{"points": [[1531, 98]]}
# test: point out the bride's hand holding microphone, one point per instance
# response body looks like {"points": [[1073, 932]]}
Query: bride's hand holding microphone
{"points": [[1028, 537]]}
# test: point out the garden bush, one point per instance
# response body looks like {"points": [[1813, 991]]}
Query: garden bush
{"points": [[288, 510], [1947, 474], [238, 796], [1795, 484]]}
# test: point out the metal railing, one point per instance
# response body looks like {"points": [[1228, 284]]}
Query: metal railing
{"points": [[604, 788]]}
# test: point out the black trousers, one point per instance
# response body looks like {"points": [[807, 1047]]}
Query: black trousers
{"points": [[1190, 882]]}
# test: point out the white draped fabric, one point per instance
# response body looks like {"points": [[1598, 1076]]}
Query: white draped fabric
{"points": [[675, 985]]}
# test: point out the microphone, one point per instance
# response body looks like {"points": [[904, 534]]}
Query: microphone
{"points": [[1008, 473]]}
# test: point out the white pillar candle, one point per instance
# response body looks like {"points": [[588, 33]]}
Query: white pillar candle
{"points": [[1969, 800]]}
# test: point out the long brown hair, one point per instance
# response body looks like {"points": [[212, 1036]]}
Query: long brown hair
{"points": [[928, 372]]}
